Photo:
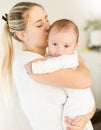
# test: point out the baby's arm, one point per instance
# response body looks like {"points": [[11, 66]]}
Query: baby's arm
{"points": [[74, 78], [52, 64]]}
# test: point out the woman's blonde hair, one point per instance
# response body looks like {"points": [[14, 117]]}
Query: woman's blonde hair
{"points": [[16, 20]]}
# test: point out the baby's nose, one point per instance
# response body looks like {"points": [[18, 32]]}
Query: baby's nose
{"points": [[61, 50]]}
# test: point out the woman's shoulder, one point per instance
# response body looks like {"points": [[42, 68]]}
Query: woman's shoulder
{"points": [[26, 56]]}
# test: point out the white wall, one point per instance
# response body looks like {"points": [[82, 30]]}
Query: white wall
{"points": [[77, 10]]}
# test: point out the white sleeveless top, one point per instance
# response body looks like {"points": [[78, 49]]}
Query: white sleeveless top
{"points": [[41, 103]]}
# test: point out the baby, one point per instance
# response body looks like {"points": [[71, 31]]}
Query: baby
{"points": [[62, 45]]}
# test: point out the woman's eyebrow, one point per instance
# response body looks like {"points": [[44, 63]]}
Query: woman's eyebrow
{"points": [[39, 20]]}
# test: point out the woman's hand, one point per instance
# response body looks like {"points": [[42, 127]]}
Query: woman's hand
{"points": [[76, 124], [79, 122]]}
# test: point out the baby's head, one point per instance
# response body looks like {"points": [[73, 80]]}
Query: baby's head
{"points": [[63, 37]]}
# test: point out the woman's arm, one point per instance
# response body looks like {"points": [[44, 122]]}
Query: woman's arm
{"points": [[78, 78]]}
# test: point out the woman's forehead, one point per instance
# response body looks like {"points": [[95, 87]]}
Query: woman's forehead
{"points": [[36, 14]]}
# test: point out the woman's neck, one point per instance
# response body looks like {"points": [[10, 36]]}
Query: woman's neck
{"points": [[40, 51]]}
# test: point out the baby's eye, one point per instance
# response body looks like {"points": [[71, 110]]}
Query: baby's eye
{"points": [[55, 44], [66, 46]]}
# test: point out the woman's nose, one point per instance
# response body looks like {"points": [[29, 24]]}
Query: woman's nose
{"points": [[48, 26]]}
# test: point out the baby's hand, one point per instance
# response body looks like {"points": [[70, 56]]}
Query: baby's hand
{"points": [[28, 68]]}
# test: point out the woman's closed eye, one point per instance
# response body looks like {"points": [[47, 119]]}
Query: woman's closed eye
{"points": [[40, 25]]}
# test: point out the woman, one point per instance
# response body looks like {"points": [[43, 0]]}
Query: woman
{"points": [[27, 22]]}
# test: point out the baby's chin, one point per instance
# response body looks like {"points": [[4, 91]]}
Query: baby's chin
{"points": [[54, 54]]}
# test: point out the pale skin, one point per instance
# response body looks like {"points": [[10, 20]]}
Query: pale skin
{"points": [[34, 38]]}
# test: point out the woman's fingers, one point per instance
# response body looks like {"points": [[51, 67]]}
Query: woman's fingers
{"points": [[74, 124], [76, 120], [71, 127], [68, 120]]}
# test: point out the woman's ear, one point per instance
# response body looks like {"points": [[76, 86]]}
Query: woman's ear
{"points": [[20, 35]]}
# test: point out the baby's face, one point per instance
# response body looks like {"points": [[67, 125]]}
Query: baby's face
{"points": [[62, 43]]}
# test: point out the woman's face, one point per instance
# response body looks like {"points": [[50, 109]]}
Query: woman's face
{"points": [[37, 29]]}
